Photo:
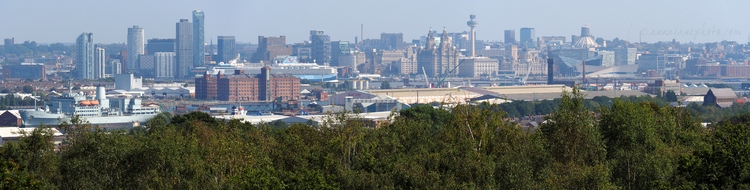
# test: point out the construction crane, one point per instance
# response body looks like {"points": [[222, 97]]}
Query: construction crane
{"points": [[527, 75], [449, 73], [426, 81]]}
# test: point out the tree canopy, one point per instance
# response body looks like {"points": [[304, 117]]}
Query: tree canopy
{"points": [[622, 144]]}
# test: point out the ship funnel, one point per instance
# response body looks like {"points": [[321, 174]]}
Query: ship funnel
{"points": [[101, 96], [101, 93]]}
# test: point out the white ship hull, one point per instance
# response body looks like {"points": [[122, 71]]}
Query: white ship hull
{"points": [[33, 118]]}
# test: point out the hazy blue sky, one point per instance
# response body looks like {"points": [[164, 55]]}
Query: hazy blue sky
{"points": [[649, 20]]}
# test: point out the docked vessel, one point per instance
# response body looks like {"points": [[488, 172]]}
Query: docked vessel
{"points": [[283, 65], [116, 112]]}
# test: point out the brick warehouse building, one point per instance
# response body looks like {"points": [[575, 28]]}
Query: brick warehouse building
{"points": [[239, 86], [10, 118], [205, 87]]}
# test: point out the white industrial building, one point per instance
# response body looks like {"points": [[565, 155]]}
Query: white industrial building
{"points": [[14, 133]]}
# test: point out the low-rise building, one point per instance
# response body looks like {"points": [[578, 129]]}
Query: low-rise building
{"points": [[8, 134], [33, 71], [721, 97], [478, 67], [10, 118], [239, 86]]}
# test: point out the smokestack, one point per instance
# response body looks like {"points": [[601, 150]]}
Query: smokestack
{"points": [[550, 71], [584, 73]]}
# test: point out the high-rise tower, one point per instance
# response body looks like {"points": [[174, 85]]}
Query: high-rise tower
{"points": [[100, 60], [227, 50], [510, 36], [472, 23], [160, 45], [321, 47], [85, 56], [184, 48], [270, 47], [135, 47], [527, 35], [199, 43]]}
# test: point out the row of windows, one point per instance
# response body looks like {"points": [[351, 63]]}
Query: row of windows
{"points": [[84, 111]]}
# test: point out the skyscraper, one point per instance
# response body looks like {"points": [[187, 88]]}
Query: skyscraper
{"points": [[338, 49], [226, 49], [85, 56], [321, 47], [527, 35], [160, 45], [625, 56], [270, 47], [199, 43], [135, 47], [100, 60], [184, 48], [164, 65], [392, 41], [115, 67], [510, 36]]}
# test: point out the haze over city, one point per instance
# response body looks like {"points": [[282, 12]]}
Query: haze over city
{"points": [[638, 20], [350, 94]]}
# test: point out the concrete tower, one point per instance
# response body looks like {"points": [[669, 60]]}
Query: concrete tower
{"points": [[135, 47], [472, 23], [85, 56], [100, 60], [184, 49]]}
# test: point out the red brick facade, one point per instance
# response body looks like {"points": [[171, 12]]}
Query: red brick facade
{"points": [[239, 86]]}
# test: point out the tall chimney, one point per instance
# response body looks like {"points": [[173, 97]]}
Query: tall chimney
{"points": [[584, 73], [550, 70]]}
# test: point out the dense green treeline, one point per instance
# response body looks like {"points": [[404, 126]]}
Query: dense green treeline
{"points": [[11, 100], [625, 145], [522, 108], [518, 109]]}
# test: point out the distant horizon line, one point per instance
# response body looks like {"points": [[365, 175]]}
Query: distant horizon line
{"points": [[240, 42]]}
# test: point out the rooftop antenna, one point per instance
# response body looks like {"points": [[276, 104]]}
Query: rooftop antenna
{"points": [[628, 41], [362, 33]]}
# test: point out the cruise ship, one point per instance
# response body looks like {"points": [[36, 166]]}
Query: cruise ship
{"points": [[117, 112], [283, 65]]}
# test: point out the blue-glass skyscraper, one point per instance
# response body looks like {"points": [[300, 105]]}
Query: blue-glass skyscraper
{"points": [[227, 50], [199, 48], [527, 35]]}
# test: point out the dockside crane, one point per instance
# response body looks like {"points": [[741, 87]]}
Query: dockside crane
{"points": [[449, 73], [426, 80]]}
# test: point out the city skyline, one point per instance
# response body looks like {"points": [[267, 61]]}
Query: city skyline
{"points": [[247, 20]]}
